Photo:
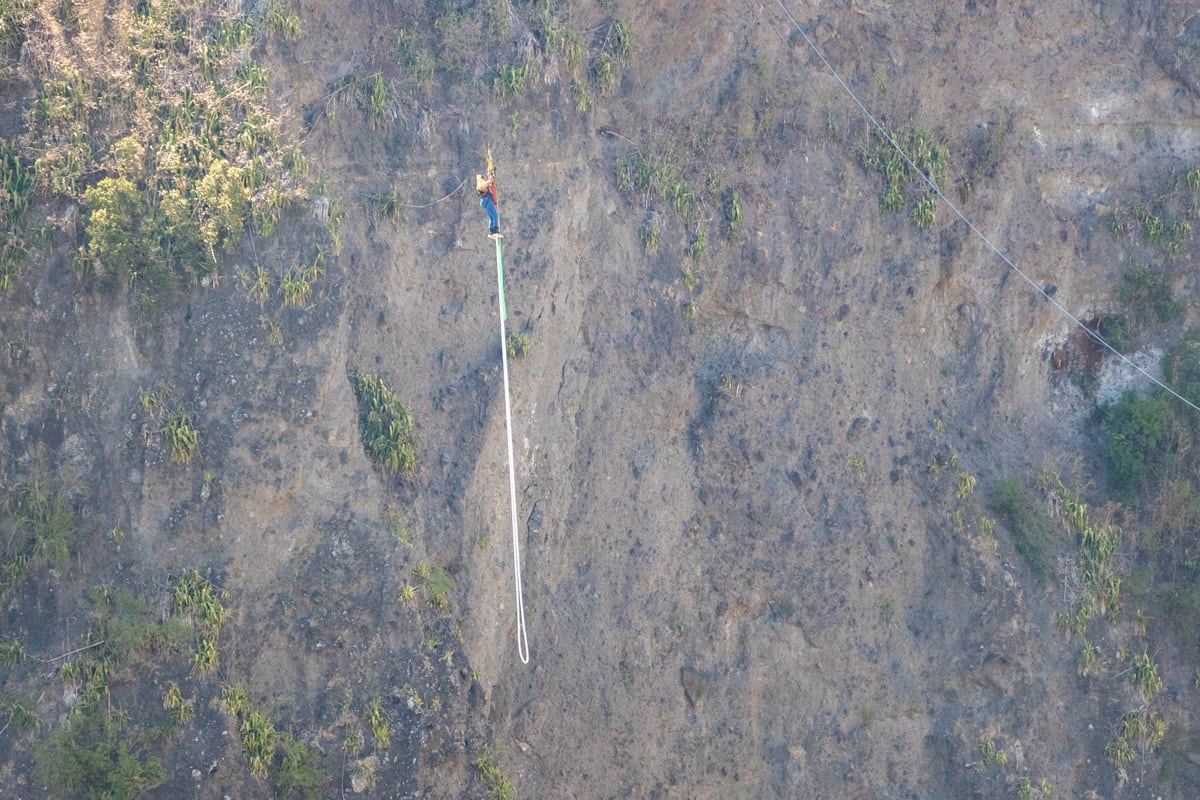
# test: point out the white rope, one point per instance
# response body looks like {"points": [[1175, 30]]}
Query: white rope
{"points": [[522, 639], [1095, 336]]}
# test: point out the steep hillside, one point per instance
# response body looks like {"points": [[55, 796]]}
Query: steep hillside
{"points": [[818, 496]]}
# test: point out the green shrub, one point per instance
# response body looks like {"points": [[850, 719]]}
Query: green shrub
{"points": [[389, 205], [39, 531], [12, 652], [1148, 298], [517, 346], [381, 726], [904, 179], [493, 777], [14, 15], [510, 80], [132, 631], [923, 214], [379, 102], [1139, 434], [298, 773], [279, 20], [88, 758], [438, 585], [1030, 530], [732, 203], [121, 241], [385, 425]]}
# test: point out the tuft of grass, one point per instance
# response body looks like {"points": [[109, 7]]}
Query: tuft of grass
{"points": [[438, 585], [278, 19], [181, 709], [380, 98], [380, 725], [493, 777], [181, 437], [732, 203], [12, 652], [389, 205], [39, 531], [510, 80]]}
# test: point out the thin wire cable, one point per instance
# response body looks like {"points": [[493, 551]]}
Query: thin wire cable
{"points": [[522, 638], [447, 196], [1094, 335]]}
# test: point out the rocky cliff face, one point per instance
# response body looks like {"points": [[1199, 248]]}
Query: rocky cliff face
{"points": [[757, 432]]}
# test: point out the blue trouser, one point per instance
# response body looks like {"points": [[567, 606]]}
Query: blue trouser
{"points": [[489, 205]]}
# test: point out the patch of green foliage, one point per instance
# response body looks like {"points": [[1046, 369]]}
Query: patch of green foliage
{"points": [[255, 729], [37, 529], [90, 758], [904, 180], [132, 632], [18, 713], [1154, 469], [291, 766], [493, 777], [1141, 432], [389, 205], [298, 773], [14, 16], [1148, 300], [181, 437], [438, 585], [1029, 528], [16, 189], [165, 186], [385, 425], [517, 345], [381, 726], [616, 50], [195, 598], [510, 80]]}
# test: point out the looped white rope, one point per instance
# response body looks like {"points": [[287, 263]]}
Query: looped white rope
{"points": [[522, 638]]}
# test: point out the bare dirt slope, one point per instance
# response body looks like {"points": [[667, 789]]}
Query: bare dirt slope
{"points": [[752, 565]]}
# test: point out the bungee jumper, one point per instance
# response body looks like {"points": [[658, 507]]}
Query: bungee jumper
{"points": [[486, 187]]}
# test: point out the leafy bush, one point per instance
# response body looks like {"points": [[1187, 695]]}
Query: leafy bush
{"points": [[1029, 528], [385, 425], [517, 345], [39, 531], [1148, 298], [904, 180], [298, 773], [510, 80], [1140, 430], [381, 726], [88, 758], [120, 238], [493, 777]]}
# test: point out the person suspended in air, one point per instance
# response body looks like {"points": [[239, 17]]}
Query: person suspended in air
{"points": [[486, 187]]}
